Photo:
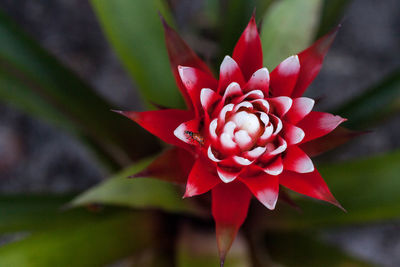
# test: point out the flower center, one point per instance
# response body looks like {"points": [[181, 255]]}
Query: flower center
{"points": [[247, 122]]}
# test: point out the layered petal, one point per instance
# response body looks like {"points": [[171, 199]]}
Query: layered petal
{"points": [[284, 77], [202, 178], [265, 188], [227, 175], [292, 134], [194, 81], [317, 124], [181, 54], [173, 165], [309, 184], [248, 50], [259, 81], [208, 98], [229, 72], [275, 167], [300, 108], [230, 203], [281, 104], [188, 132], [161, 123], [311, 62], [297, 161]]}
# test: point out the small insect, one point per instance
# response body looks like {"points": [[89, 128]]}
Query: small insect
{"points": [[195, 137]]}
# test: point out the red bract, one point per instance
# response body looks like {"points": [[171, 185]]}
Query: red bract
{"points": [[243, 134]]}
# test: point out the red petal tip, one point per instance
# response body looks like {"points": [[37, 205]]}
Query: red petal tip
{"points": [[334, 201], [188, 193], [163, 21], [128, 114], [158, 106], [140, 174], [330, 37], [253, 15], [337, 204], [117, 111]]}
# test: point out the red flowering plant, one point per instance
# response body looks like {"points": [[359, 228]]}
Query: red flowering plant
{"points": [[246, 137], [245, 133]]}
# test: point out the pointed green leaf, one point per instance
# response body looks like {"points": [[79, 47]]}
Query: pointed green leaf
{"points": [[134, 29], [289, 27], [136, 193], [367, 189]]}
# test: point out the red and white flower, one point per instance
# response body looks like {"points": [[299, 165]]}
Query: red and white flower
{"points": [[244, 134]]}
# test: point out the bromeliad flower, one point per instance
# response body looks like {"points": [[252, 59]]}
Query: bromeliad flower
{"points": [[244, 134]]}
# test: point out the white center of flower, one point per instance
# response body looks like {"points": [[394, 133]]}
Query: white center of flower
{"points": [[247, 122]]}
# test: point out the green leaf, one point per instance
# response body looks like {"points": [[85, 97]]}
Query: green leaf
{"points": [[34, 81], [306, 250], [97, 240], [288, 28], [135, 31], [330, 15], [136, 193], [367, 189], [24, 213], [375, 104]]}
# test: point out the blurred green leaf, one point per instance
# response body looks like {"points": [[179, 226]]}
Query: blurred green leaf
{"points": [[367, 188], [136, 193], [305, 250], [288, 28], [24, 213], [331, 15], [34, 81], [375, 104], [134, 29], [95, 241]]}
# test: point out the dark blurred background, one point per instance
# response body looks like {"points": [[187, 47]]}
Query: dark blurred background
{"points": [[35, 157]]}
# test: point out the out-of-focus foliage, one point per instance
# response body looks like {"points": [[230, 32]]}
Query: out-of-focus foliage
{"points": [[25, 213], [306, 250], [289, 27], [91, 240], [34, 81], [375, 104], [134, 29]]}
